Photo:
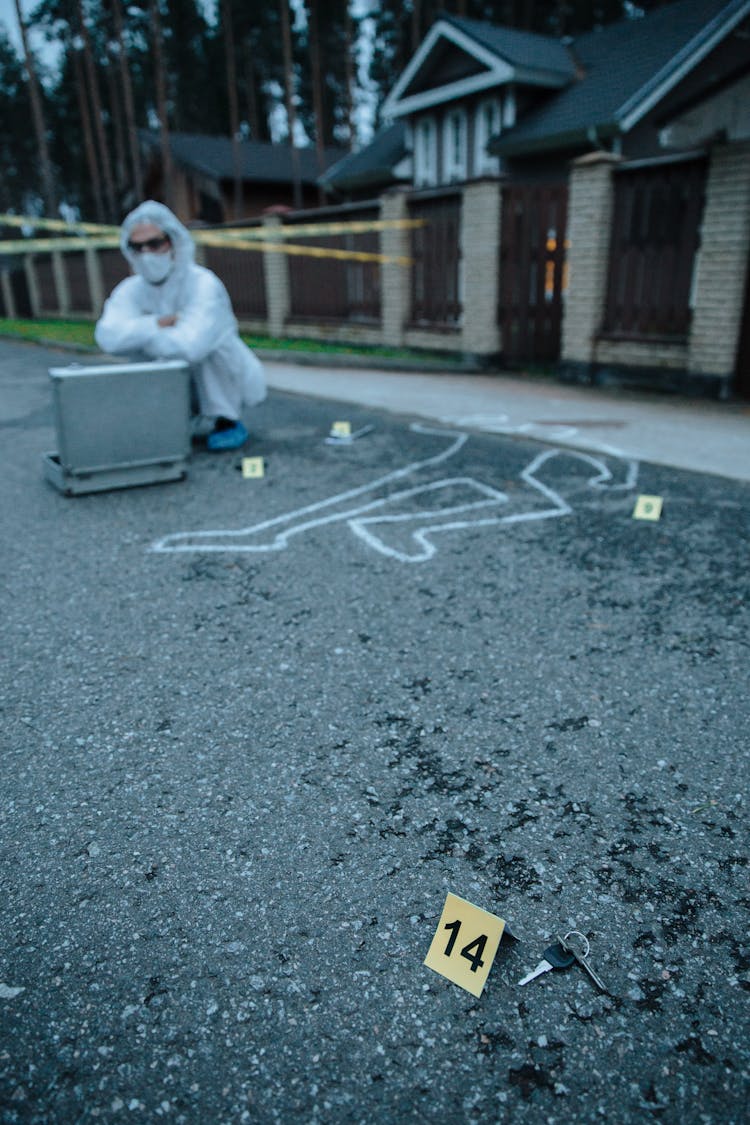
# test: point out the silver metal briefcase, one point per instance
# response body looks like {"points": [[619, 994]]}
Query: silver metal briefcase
{"points": [[119, 425]]}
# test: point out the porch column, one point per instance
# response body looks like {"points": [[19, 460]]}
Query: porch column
{"points": [[721, 267], [9, 300], [61, 283], [395, 280], [480, 257], [590, 205], [276, 275], [96, 282], [29, 266]]}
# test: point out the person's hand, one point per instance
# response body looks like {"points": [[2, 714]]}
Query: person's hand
{"points": [[167, 321]]}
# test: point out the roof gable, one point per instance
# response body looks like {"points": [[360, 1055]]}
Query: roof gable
{"points": [[446, 64], [479, 56]]}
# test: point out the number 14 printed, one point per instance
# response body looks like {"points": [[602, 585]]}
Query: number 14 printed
{"points": [[465, 944]]}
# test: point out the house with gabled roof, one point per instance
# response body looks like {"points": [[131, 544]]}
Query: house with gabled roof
{"points": [[622, 206], [203, 175], [478, 99]]}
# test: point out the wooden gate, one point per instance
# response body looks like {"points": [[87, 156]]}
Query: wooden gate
{"points": [[436, 299], [533, 276], [655, 237]]}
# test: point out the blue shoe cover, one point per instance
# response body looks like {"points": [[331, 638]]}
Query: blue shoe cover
{"points": [[227, 439]]}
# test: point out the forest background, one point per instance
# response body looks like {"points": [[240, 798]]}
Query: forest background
{"points": [[80, 78]]}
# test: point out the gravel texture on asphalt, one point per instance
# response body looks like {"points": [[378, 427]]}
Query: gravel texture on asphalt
{"points": [[238, 784]]}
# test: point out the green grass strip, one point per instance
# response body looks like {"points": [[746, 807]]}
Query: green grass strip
{"points": [[80, 333]]}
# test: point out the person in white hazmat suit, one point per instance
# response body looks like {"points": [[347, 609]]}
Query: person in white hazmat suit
{"points": [[175, 309]]}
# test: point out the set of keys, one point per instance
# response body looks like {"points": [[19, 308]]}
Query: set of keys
{"points": [[565, 953]]}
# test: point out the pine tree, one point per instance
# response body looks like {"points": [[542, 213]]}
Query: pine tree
{"points": [[49, 194], [18, 156]]}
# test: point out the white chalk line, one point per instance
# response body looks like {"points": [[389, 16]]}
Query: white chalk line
{"points": [[171, 542], [501, 424], [364, 518]]}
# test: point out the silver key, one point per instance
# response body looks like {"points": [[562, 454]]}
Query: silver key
{"points": [[582, 958], [555, 957]]}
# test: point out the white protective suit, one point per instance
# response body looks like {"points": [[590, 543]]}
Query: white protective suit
{"points": [[226, 373]]}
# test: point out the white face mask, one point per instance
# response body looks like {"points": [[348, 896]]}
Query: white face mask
{"points": [[155, 268]]}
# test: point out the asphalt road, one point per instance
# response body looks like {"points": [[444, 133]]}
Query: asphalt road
{"points": [[255, 730]]}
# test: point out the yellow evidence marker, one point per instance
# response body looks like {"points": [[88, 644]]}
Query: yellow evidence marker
{"points": [[252, 467], [341, 429], [465, 944], [648, 508]]}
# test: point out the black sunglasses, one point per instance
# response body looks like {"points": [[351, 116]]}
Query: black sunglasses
{"points": [[149, 244]]}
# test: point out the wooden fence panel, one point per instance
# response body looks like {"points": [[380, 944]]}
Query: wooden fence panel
{"points": [[436, 290], [242, 273], [45, 280], [533, 275], [655, 238], [78, 282], [114, 269], [327, 289]]}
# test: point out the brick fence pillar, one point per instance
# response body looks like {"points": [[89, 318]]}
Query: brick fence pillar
{"points": [[590, 205], [29, 266], [395, 279], [721, 266], [480, 253], [276, 274]]}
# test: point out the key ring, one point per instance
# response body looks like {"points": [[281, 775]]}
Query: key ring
{"points": [[578, 933]]}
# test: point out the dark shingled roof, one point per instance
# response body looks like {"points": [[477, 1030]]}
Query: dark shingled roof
{"points": [[621, 64], [523, 49], [261, 162], [373, 164]]}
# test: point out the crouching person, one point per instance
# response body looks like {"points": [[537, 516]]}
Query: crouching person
{"points": [[175, 309]]}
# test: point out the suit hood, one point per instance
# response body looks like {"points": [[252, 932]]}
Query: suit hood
{"points": [[162, 217]]}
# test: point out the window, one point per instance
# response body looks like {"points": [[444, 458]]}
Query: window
{"points": [[454, 146], [425, 153], [488, 125]]}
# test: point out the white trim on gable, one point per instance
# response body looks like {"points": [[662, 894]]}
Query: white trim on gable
{"points": [[497, 71], [659, 86], [453, 91], [439, 30]]}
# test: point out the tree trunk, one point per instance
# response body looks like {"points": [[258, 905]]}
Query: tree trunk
{"points": [[234, 113], [286, 40], [416, 24], [251, 95], [129, 102], [121, 175], [161, 106], [316, 71], [88, 140], [37, 114], [97, 115], [351, 78]]}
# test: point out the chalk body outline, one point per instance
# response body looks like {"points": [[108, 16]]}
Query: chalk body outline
{"points": [[362, 519]]}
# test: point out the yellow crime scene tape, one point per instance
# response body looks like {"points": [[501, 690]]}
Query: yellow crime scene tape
{"points": [[45, 245], [227, 238], [319, 229], [56, 224]]}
